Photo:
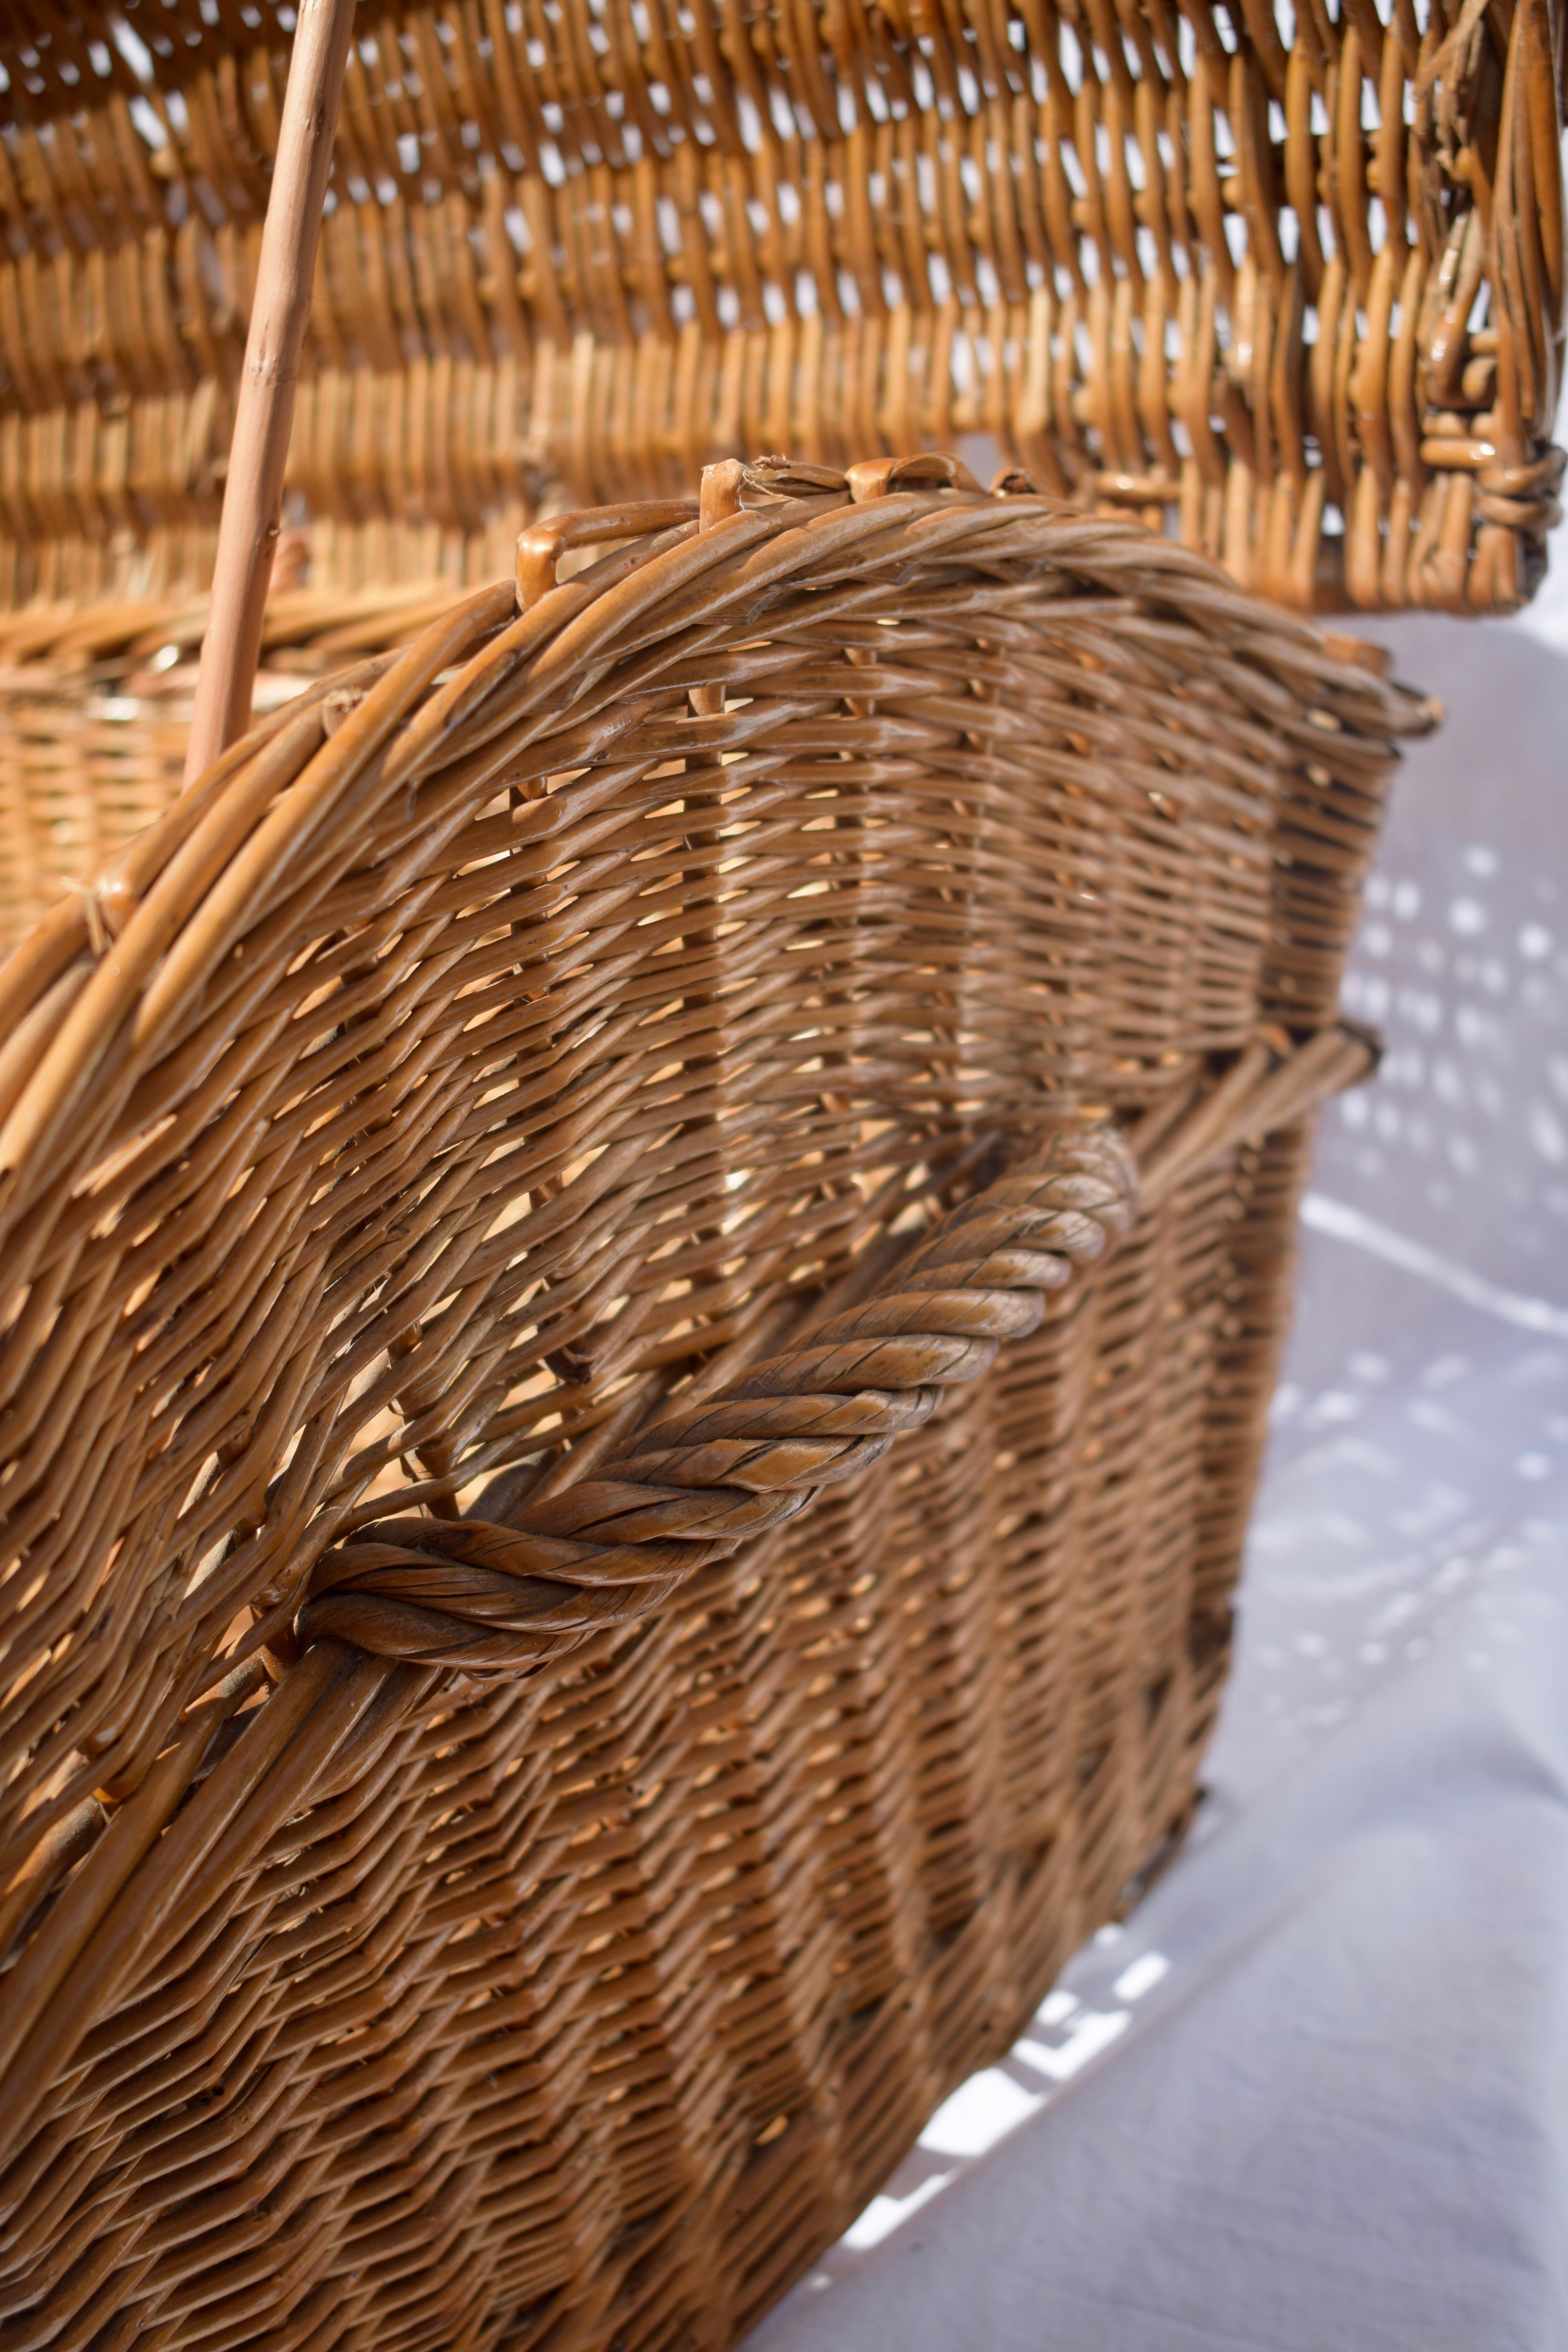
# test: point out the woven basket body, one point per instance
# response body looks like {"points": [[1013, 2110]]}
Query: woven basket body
{"points": [[1300, 303], [95, 714], [642, 1257]]}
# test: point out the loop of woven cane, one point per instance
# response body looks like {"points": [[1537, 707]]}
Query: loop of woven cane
{"points": [[489, 1598]]}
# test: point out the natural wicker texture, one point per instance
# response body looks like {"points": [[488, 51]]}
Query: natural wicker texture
{"points": [[572, 1661], [94, 708], [250, 527], [1303, 302]]}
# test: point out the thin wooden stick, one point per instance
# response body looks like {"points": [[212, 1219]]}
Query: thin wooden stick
{"points": [[253, 495]]}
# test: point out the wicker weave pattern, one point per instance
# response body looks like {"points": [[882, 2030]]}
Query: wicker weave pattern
{"points": [[1165, 264], [703, 1480], [95, 712], [495, 1098], [585, 2013]]}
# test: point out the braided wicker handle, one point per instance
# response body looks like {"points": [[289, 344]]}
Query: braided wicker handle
{"points": [[697, 1483], [694, 1485]]}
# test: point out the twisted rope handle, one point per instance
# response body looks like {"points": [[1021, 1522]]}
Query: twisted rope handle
{"points": [[697, 1483]]}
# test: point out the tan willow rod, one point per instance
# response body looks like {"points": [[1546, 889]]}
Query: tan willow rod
{"points": [[253, 494]]}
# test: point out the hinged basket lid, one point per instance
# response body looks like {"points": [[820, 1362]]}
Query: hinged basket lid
{"points": [[1287, 282]]}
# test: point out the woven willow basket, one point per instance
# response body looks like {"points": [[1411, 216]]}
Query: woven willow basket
{"points": [[95, 713], [1288, 282], [642, 1257]]}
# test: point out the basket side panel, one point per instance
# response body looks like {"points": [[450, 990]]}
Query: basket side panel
{"points": [[593, 2010]]}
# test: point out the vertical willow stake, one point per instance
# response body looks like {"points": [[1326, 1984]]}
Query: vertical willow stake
{"points": [[253, 494]]}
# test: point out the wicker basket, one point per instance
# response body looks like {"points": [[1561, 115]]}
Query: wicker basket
{"points": [[642, 1256], [95, 710], [1302, 305]]}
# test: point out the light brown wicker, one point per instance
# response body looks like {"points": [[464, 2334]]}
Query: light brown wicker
{"points": [[641, 1257], [1287, 280], [94, 708]]}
